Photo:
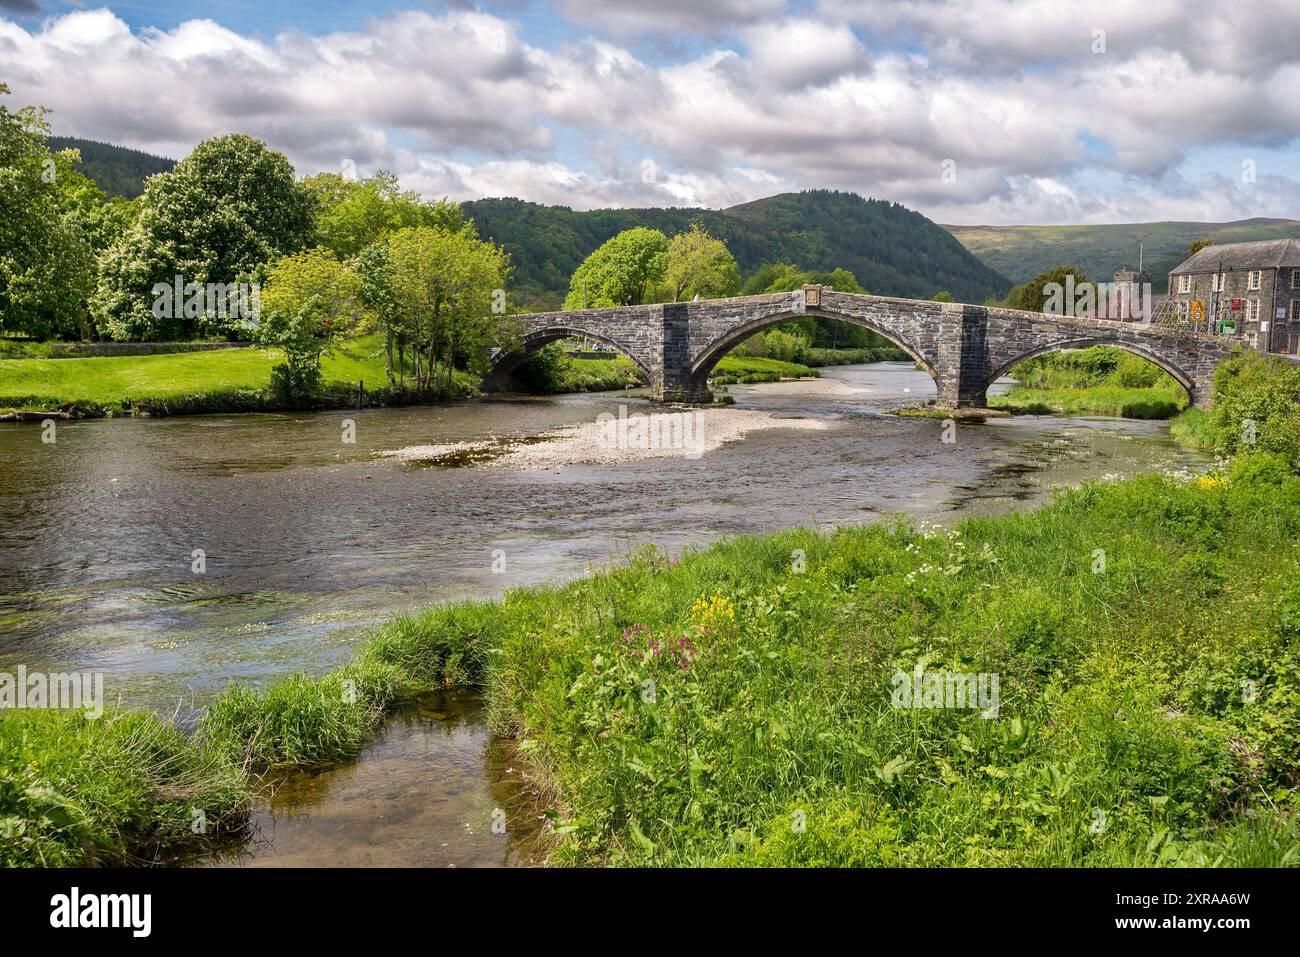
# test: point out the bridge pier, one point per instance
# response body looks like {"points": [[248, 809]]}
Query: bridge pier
{"points": [[683, 390]]}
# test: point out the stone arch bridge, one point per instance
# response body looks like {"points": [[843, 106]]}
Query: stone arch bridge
{"points": [[964, 348]]}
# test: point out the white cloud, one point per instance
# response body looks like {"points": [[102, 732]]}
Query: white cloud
{"points": [[635, 18], [460, 104], [798, 53]]}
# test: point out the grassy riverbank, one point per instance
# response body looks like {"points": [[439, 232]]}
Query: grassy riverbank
{"points": [[1122, 736], [1096, 381], [227, 380], [238, 380], [737, 705], [750, 369], [844, 357]]}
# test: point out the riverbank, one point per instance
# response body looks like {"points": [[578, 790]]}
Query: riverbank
{"points": [[223, 381], [1095, 381], [750, 370], [690, 711], [238, 380]]}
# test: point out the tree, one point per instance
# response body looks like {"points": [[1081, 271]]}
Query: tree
{"points": [[228, 207], [1031, 297], [621, 272], [353, 214], [700, 265], [377, 295], [1196, 245], [308, 301], [444, 297], [820, 331], [47, 266]]}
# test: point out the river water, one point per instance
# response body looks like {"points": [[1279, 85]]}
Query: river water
{"points": [[175, 555]]}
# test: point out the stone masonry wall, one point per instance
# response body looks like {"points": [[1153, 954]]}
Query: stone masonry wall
{"points": [[964, 347]]}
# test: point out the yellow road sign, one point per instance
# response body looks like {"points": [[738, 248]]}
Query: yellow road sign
{"points": [[1198, 310]]}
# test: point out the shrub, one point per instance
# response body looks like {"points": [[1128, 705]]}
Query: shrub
{"points": [[1255, 406]]}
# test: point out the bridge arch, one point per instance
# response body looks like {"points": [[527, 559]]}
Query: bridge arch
{"points": [[1155, 358], [505, 360], [714, 351]]}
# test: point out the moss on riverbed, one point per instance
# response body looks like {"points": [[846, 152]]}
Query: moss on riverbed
{"points": [[690, 711]]}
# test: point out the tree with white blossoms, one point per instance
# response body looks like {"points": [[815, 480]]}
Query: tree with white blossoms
{"points": [[227, 208]]}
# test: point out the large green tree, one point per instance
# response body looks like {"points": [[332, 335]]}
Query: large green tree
{"points": [[1032, 297], [351, 214], [699, 265], [51, 218], [227, 208], [623, 271]]}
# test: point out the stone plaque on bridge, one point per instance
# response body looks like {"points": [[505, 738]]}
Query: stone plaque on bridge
{"points": [[812, 296]]}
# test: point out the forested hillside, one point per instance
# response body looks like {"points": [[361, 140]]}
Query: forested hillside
{"points": [[117, 170], [890, 249]]}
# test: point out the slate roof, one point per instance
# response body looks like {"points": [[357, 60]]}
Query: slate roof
{"points": [[1265, 254]]}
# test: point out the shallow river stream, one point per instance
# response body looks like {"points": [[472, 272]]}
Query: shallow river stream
{"points": [[305, 542]]}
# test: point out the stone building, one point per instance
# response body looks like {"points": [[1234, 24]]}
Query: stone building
{"points": [[1249, 291]]}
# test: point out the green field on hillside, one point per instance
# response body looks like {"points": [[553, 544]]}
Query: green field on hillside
{"points": [[1022, 252]]}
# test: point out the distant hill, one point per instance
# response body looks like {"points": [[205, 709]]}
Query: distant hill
{"points": [[119, 171], [892, 250], [1022, 252]]}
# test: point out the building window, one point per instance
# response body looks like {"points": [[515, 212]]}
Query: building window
{"points": [[1252, 310], [1252, 279], [1295, 278], [1216, 282], [1184, 284], [1295, 310]]}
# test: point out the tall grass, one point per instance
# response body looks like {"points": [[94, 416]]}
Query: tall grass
{"points": [[734, 707], [752, 369], [123, 788]]}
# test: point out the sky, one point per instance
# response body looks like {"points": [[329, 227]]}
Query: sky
{"points": [[972, 112]]}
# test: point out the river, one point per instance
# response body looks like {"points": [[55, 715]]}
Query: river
{"points": [[175, 555]]}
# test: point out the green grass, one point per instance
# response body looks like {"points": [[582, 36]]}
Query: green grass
{"points": [[115, 790], [220, 380], [1096, 381], [1193, 428], [1123, 735], [1098, 400], [1022, 252], [598, 375], [748, 369]]}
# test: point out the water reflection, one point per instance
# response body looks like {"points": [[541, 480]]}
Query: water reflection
{"points": [[434, 788]]}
